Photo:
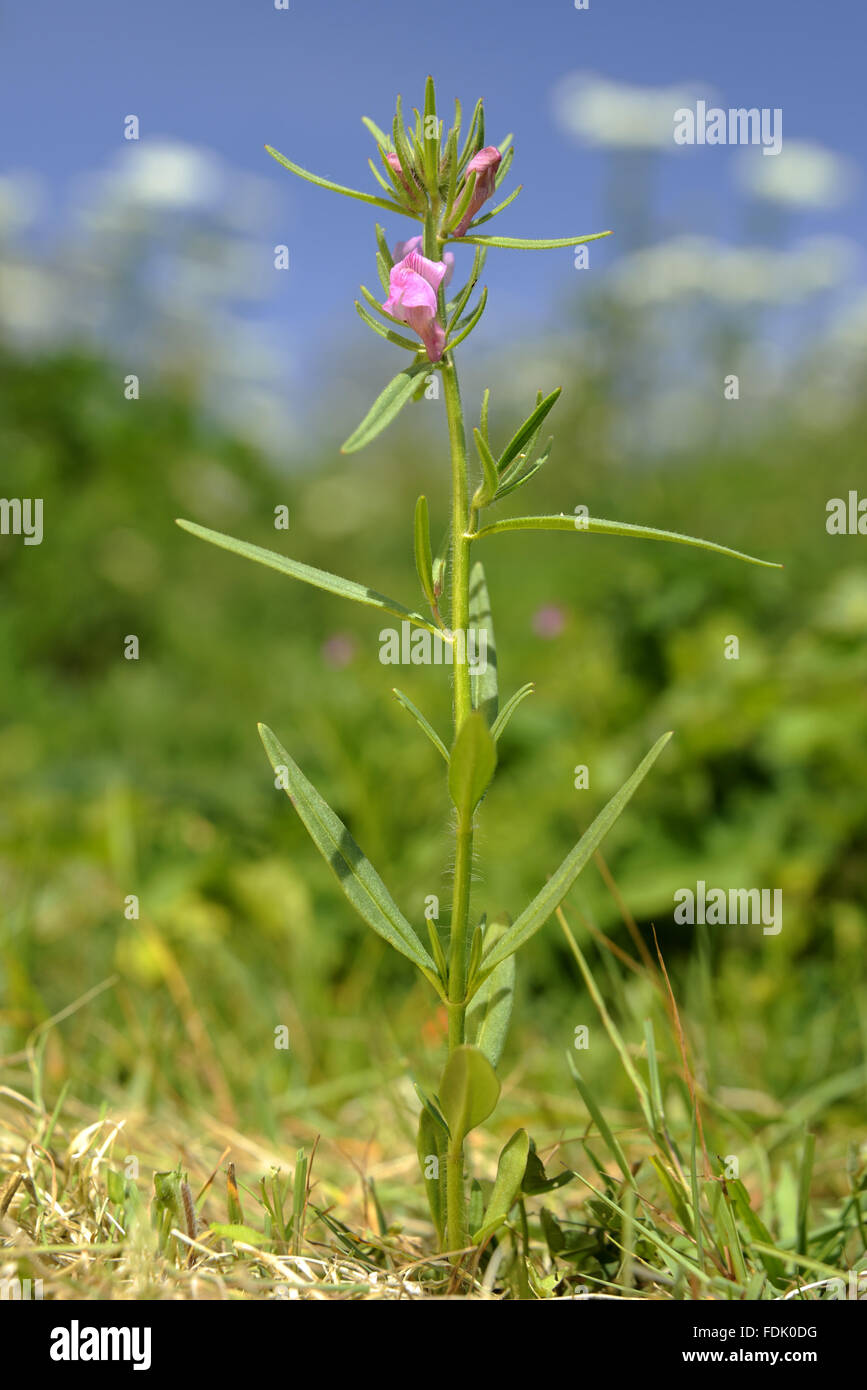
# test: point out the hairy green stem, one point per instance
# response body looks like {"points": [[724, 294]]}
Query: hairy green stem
{"points": [[456, 1223]]}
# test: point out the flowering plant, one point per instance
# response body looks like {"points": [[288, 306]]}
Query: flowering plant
{"points": [[444, 183]]}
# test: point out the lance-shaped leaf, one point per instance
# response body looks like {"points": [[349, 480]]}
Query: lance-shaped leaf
{"points": [[387, 405], [379, 135], [552, 894], [468, 1092], [320, 579], [423, 553], [498, 209], [513, 243], [432, 1146], [509, 708], [490, 1011], [507, 1185], [483, 682], [355, 874], [599, 526], [465, 329], [487, 489], [387, 333], [472, 764], [424, 724], [526, 434], [517, 478], [335, 187], [431, 140]]}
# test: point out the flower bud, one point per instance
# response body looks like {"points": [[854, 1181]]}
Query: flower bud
{"points": [[484, 165]]}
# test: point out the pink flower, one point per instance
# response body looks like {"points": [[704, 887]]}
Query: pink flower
{"points": [[484, 165], [549, 621], [412, 299], [415, 243], [338, 650]]}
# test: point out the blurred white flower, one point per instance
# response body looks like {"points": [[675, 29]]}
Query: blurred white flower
{"points": [[690, 266], [804, 174], [167, 174], [603, 112]]}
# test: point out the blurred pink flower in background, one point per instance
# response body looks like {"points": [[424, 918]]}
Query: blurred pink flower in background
{"points": [[548, 621], [338, 650]]}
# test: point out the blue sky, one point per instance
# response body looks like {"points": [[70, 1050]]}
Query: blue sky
{"points": [[231, 76]]}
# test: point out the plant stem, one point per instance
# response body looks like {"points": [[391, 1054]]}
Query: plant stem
{"points": [[456, 1221]]}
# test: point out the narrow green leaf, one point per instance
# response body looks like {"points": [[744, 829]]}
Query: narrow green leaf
{"points": [[471, 765], [451, 164], [432, 1156], [599, 526], [431, 142], [388, 333], [805, 1176], [515, 482], [490, 1011], [656, 1105], [335, 187], [484, 689], [430, 1105], [507, 151], [387, 405], [507, 1185], [320, 579], [498, 209], [468, 1092], [469, 324], [356, 875], [554, 891], [382, 270], [437, 951], [483, 416], [509, 708], [421, 721], [469, 146], [423, 554], [598, 1118], [527, 243], [399, 136], [383, 246], [526, 432], [389, 185], [457, 305], [487, 490], [379, 135], [387, 317], [462, 202]]}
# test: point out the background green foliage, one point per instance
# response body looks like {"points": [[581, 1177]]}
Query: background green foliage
{"points": [[148, 777]]}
